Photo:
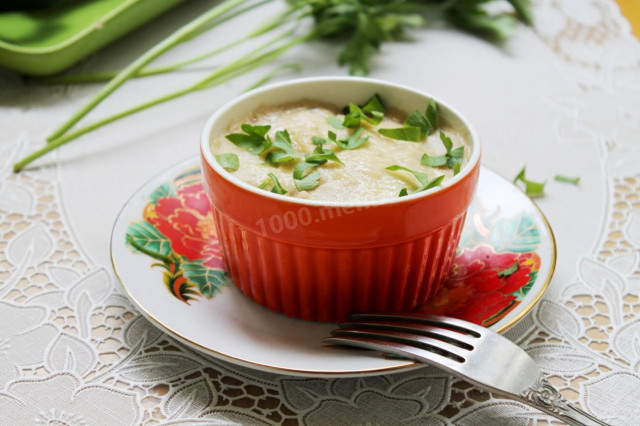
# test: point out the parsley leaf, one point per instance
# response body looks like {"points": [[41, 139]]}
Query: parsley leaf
{"points": [[410, 134], [433, 161], [452, 158], [321, 156], [432, 114], [335, 122], [419, 121], [228, 161], [277, 188], [371, 112], [436, 182], [305, 181], [403, 192], [426, 122], [417, 125], [282, 148], [532, 189], [352, 142], [254, 138], [374, 107], [365, 25], [523, 9], [477, 20], [566, 179], [422, 177]]}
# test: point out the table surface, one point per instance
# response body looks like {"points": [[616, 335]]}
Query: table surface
{"points": [[560, 97]]}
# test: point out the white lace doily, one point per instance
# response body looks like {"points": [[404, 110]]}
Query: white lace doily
{"points": [[562, 97]]}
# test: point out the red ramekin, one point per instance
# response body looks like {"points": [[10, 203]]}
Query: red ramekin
{"points": [[321, 260]]}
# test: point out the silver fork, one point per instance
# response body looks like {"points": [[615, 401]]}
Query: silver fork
{"points": [[471, 352]]}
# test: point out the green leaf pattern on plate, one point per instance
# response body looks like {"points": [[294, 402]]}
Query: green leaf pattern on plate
{"points": [[177, 231]]}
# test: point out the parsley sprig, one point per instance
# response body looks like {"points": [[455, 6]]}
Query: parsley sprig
{"points": [[257, 141], [452, 159], [305, 177], [254, 138], [353, 141], [280, 150], [320, 154], [228, 161], [371, 112], [531, 188], [276, 187], [417, 126], [423, 178], [567, 179]]}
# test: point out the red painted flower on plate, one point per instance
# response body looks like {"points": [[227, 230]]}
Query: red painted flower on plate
{"points": [[187, 221], [483, 285]]}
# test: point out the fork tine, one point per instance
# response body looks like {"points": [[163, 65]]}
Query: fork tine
{"points": [[408, 339], [434, 320], [396, 348], [420, 328]]}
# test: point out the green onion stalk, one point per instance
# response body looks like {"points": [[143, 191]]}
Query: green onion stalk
{"points": [[248, 62], [270, 25], [181, 35]]}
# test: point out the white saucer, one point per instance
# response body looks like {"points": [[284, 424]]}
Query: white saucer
{"points": [[231, 327]]}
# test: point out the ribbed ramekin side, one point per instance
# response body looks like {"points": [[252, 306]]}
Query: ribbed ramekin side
{"points": [[325, 284]]}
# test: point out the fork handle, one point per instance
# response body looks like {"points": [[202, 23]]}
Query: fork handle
{"points": [[545, 397]]}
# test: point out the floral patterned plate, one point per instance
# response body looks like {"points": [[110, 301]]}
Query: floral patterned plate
{"points": [[165, 252]]}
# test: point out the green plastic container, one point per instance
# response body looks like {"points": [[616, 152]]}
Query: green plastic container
{"points": [[46, 41]]}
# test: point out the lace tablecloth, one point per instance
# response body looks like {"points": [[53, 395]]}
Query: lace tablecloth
{"points": [[561, 98]]}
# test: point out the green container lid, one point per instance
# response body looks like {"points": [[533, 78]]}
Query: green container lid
{"points": [[46, 40]]}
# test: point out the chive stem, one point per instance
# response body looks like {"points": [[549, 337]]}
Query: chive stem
{"points": [[182, 34], [240, 66], [108, 75]]}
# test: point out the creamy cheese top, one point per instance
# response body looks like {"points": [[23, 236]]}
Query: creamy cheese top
{"points": [[363, 175]]}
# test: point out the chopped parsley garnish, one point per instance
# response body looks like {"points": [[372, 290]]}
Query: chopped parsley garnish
{"points": [[335, 122], [228, 161], [417, 126], [282, 148], [303, 179], [257, 141], [277, 188], [371, 112], [565, 179], [320, 156], [254, 138], [451, 159], [374, 107], [410, 134], [423, 178], [352, 142], [532, 189], [427, 122]]}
